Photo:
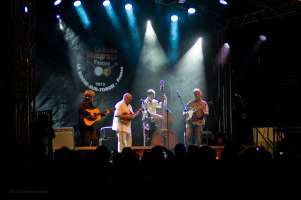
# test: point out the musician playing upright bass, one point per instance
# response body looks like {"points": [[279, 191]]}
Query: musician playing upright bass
{"points": [[197, 110], [150, 118]]}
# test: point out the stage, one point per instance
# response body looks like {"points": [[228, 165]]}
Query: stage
{"points": [[141, 149]]}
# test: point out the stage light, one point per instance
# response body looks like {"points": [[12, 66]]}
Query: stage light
{"points": [[191, 10], [112, 15], [128, 6], [77, 3], [61, 25], [198, 43], [150, 34], [57, 2], [262, 38], [83, 16], [106, 3], [174, 18], [223, 54], [152, 49], [132, 22], [224, 2], [226, 45], [58, 16], [25, 9], [173, 41], [152, 61], [189, 71]]}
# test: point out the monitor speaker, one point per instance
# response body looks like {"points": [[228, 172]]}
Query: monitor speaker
{"points": [[64, 137], [108, 138]]}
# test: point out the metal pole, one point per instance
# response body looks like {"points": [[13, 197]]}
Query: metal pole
{"points": [[230, 97]]}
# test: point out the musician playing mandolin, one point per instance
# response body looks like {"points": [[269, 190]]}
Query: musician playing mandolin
{"points": [[123, 116], [195, 113]]}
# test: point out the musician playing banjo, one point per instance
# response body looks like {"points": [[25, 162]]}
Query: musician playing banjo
{"points": [[195, 113]]}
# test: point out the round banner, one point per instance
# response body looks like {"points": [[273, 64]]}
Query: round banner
{"points": [[100, 69]]}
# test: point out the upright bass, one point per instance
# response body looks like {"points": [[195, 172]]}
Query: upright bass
{"points": [[164, 136]]}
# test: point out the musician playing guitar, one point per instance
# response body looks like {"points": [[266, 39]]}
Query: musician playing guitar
{"points": [[197, 110], [88, 136], [123, 116], [88, 116]]}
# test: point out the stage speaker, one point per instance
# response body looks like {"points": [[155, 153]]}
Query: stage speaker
{"points": [[108, 138], [64, 137], [111, 144]]}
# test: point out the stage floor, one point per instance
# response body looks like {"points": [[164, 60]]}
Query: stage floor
{"points": [[141, 149]]}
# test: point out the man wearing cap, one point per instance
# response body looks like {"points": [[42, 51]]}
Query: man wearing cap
{"points": [[197, 110], [88, 136]]}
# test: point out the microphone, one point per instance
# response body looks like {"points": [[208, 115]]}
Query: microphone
{"points": [[178, 93], [162, 82]]}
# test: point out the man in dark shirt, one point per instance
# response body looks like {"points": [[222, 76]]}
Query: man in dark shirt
{"points": [[88, 136]]}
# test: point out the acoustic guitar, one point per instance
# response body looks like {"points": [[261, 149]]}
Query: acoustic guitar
{"points": [[95, 115]]}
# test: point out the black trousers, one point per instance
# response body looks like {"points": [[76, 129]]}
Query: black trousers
{"points": [[88, 136], [148, 129]]}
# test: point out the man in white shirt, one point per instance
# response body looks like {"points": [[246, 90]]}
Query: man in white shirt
{"points": [[122, 121], [150, 117]]}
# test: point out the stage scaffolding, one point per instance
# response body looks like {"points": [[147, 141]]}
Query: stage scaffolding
{"points": [[23, 71]]}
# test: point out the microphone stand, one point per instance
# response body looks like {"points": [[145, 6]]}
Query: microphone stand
{"points": [[167, 125], [184, 119]]}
